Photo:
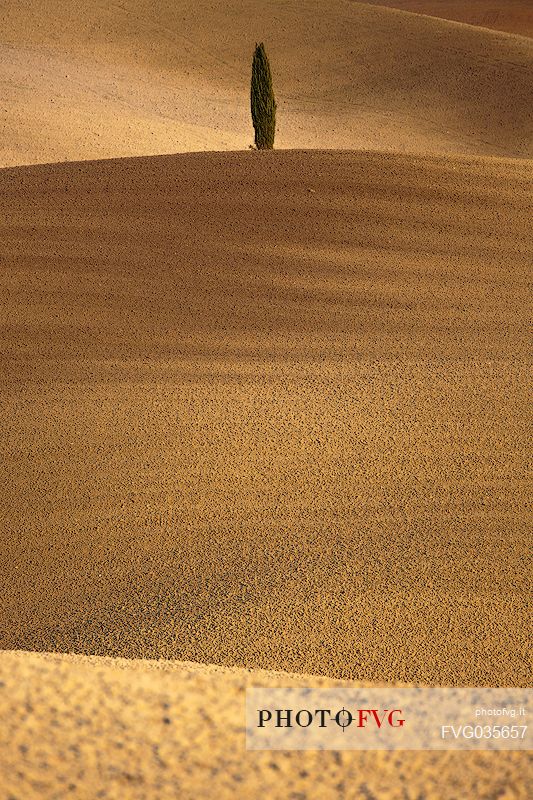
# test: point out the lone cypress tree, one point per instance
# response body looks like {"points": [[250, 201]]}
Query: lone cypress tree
{"points": [[263, 101]]}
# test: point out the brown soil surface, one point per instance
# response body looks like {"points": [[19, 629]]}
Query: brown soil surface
{"points": [[102, 729], [269, 410], [265, 411], [88, 79], [513, 16]]}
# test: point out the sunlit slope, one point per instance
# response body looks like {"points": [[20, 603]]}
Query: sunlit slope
{"points": [[96, 728], [512, 16], [86, 80], [268, 409]]}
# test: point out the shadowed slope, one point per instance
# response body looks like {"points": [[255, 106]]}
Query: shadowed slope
{"points": [[88, 80], [268, 409], [512, 16]]}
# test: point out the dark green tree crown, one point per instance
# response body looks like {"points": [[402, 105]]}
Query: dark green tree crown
{"points": [[262, 100]]}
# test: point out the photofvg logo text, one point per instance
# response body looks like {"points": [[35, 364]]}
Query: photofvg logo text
{"points": [[387, 719], [324, 717]]}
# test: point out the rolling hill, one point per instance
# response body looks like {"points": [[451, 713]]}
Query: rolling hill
{"points": [[252, 412], [86, 80], [261, 411], [512, 16]]}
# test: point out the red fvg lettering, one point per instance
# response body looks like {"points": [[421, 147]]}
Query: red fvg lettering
{"points": [[386, 716]]}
